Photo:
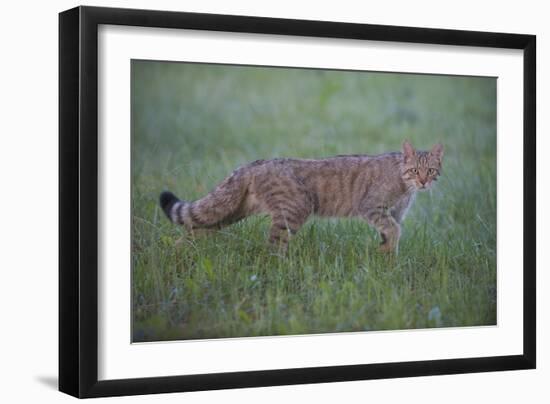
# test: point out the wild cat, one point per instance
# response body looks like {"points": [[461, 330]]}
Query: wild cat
{"points": [[379, 189]]}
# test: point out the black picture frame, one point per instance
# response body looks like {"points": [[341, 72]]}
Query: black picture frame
{"points": [[78, 200]]}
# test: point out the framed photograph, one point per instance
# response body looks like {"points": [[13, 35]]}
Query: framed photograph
{"points": [[250, 201]]}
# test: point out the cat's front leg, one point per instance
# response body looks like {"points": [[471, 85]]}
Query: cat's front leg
{"points": [[399, 210], [390, 231]]}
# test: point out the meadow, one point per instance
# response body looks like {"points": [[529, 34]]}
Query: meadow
{"points": [[193, 124]]}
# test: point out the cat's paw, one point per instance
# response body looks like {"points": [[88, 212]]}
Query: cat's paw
{"points": [[387, 248]]}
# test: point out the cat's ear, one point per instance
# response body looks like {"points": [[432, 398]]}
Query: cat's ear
{"points": [[408, 151], [437, 151]]}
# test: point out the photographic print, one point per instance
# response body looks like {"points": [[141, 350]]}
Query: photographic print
{"points": [[290, 201], [272, 201]]}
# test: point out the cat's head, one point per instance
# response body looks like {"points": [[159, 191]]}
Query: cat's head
{"points": [[421, 168]]}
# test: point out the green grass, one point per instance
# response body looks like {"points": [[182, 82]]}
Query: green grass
{"points": [[193, 124]]}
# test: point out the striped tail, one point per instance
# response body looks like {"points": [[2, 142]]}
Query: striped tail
{"points": [[169, 201], [220, 207]]}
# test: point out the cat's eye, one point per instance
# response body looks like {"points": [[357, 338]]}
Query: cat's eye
{"points": [[431, 171], [414, 170]]}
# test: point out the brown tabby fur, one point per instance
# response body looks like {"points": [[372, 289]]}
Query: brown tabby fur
{"points": [[378, 189]]}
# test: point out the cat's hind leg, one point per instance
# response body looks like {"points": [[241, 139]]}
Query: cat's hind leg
{"points": [[283, 225], [287, 201], [288, 214]]}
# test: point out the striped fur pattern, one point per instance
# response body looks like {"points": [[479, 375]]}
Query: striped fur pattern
{"points": [[378, 189]]}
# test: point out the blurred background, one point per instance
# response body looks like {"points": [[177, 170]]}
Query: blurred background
{"points": [[192, 124]]}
